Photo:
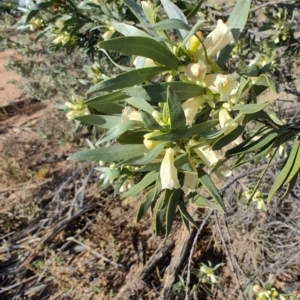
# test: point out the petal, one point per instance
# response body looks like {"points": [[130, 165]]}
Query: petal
{"points": [[168, 172]]}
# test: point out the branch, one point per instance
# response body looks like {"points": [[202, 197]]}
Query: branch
{"points": [[244, 174]]}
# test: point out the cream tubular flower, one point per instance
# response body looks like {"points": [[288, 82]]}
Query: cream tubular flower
{"points": [[190, 108], [129, 113], [207, 155], [225, 85], [225, 119], [218, 39], [149, 144], [196, 72], [168, 172]]}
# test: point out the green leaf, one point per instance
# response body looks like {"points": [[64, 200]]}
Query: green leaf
{"points": [[171, 210], [118, 129], [150, 156], [228, 138], [142, 46], [113, 153], [237, 149], [129, 30], [149, 198], [201, 202], [251, 108], [110, 108], [171, 24], [211, 188], [192, 32], [126, 69], [260, 153], [177, 116], [287, 169], [182, 163], [268, 82], [290, 187], [158, 92], [127, 79], [296, 165], [264, 140], [144, 183], [174, 12], [150, 122], [132, 137], [139, 13], [149, 167], [140, 104], [101, 121], [106, 98], [236, 24], [157, 217], [186, 133], [184, 213]]}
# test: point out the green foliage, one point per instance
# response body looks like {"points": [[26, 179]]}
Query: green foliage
{"points": [[165, 99]]}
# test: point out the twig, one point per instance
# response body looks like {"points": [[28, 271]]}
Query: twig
{"points": [[134, 284], [120, 266], [229, 257], [64, 246], [17, 284], [188, 277], [183, 243], [80, 193]]}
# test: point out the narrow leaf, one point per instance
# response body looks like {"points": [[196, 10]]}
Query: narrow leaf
{"points": [[171, 210], [150, 156], [142, 46], [177, 116], [158, 92], [201, 202], [174, 12], [149, 198], [184, 213], [186, 133], [171, 24], [139, 13], [106, 98], [127, 79], [150, 122], [251, 108], [284, 172], [211, 188], [101, 121], [228, 138], [118, 129], [128, 30], [113, 153], [236, 24], [144, 183], [140, 104]]}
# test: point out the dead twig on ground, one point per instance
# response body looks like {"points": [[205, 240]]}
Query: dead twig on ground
{"points": [[229, 257], [191, 254], [98, 255], [136, 282]]}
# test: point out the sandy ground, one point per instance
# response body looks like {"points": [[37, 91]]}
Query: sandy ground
{"points": [[9, 93]]}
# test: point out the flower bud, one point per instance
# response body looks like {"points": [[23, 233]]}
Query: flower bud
{"points": [[149, 144], [196, 72]]}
